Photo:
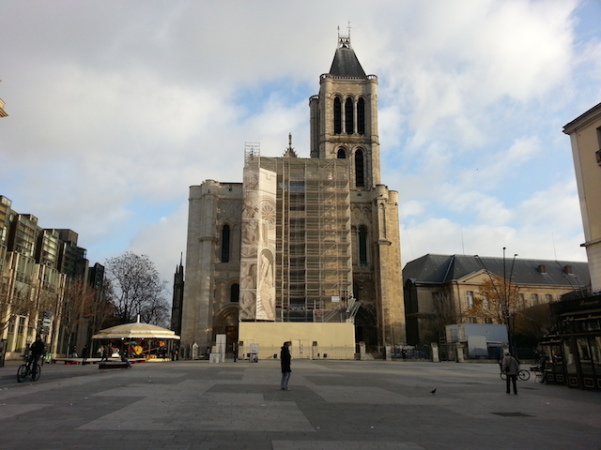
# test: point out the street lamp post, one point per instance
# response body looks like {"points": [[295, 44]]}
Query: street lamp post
{"points": [[504, 299]]}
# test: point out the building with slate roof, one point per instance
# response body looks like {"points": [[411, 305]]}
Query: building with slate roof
{"points": [[585, 137], [456, 279], [573, 349], [304, 249]]}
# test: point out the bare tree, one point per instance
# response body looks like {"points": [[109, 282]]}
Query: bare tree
{"points": [[534, 322], [442, 313], [83, 306], [100, 311], [15, 302], [137, 289]]}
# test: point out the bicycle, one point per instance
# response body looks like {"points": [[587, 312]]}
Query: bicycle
{"points": [[523, 375], [25, 370]]}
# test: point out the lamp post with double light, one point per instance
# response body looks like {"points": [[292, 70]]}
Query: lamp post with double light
{"points": [[504, 297]]}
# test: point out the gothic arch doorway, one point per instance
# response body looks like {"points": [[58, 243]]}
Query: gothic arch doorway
{"points": [[366, 327], [226, 322]]}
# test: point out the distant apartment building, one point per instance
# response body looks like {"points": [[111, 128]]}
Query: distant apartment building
{"points": [[443, 288], [36, 265], [585, 137]]}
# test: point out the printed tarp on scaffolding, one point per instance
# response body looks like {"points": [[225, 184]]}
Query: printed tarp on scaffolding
{"points": [[257, 270]]}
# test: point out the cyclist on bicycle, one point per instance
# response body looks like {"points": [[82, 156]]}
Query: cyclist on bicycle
{"points": [[36, 350]]}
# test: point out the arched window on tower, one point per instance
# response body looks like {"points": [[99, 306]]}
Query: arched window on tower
{"points": [[359, 169], [235, 293], [361, 116], [337, 116], [225, 244], [348, 116], [362, 245], [341, 153]]}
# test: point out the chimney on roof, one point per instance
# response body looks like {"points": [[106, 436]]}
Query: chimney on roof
{"points": [[542, 268], [568, 270]]}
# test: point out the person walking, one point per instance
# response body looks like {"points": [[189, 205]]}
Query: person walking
{"points": [[511, 367], [285, 359]]}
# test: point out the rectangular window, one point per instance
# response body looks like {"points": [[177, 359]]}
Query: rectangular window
{"points": [[521, 301], [548, 298], [534, 299], [21, 326], [297, 186], [469, 295]]}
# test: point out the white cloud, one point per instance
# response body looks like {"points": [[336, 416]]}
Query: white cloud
{"points": [[116, 108], [164, 242]]}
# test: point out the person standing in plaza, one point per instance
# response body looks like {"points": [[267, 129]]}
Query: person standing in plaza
{"points": [[511, 367], [285, 359]]}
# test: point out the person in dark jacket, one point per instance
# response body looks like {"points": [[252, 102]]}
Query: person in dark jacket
{"points": [[285, 363], [511, 367], [37, 350]]}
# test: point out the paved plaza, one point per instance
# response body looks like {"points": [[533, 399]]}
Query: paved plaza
{"points": [[332, 405]]}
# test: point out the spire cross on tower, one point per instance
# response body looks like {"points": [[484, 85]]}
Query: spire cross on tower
{"points": [[345, 41]]}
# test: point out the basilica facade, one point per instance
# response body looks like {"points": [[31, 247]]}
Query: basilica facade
{"points": [[305, 249]]}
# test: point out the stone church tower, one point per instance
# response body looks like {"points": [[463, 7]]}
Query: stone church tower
{"points": [[344, 124], [302, 244]]}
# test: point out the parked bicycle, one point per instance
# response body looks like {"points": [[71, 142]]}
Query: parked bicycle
{"points": [[31, 369], [523, 375]]}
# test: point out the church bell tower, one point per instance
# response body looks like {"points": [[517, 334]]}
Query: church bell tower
{"points": [[344, 117]]}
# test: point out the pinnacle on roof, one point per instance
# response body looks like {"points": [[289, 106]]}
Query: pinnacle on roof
{"points": [[345, 63], [290, 153]]}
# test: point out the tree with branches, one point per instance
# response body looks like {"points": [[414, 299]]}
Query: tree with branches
{"points": [[137, 289], [83, 306], [532, 324], [15, 302], [442, 313], [497, 300]]}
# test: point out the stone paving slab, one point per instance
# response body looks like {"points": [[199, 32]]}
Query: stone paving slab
{"points": [[332, 405]]}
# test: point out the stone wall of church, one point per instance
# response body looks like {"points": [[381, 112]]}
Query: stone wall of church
{"points": [[207, 279]]}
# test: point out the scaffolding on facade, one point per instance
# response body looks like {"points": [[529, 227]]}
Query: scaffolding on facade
{"points": [[313, 237]]}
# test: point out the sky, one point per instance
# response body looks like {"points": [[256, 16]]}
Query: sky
{"points": [[116, 108]]}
